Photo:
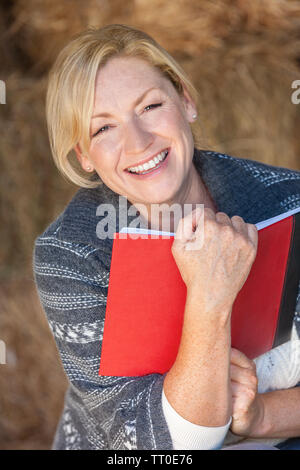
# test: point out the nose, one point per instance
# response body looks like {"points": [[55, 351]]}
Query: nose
{"points": [[136, 138]]}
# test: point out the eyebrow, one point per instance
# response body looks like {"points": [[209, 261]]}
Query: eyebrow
{"points": [[136, 103]]}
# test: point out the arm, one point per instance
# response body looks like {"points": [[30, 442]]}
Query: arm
{"points": [[281, 416], [276, 413], [189, 436], [115, 412], [198, 384], [111, 412]]}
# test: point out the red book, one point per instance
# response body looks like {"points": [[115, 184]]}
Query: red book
{"points": [[146, 300]]}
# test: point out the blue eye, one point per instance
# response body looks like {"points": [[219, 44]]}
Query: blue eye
{"points": [[102, 129], [152, 106]]}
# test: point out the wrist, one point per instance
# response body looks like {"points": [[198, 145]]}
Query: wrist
{"points": [[218, 314], [261, 427]]}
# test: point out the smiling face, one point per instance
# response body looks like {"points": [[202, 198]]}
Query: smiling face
{"points": [[141, 123]]}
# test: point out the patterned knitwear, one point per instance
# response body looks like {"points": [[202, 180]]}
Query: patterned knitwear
{"points": [[71, 267]]}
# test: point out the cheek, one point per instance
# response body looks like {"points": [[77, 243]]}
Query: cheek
{"points": [[102, 159], [104, 144], [104, 150], [177, 128], [170, 119]]}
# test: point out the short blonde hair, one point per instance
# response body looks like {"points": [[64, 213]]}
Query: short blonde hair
{"points": [[71, 89]]}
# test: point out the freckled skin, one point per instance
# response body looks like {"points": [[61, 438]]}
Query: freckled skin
{"points": [[198, 384], [135, 133]]}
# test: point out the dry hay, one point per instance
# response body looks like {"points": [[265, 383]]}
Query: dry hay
{"points": [[183, 27], [242, 55], [31, 192], [32, 381]]}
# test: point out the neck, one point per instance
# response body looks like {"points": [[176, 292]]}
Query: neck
{"points": [[166, 215]]}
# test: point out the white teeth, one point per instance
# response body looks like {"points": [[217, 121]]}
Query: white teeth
{"points": [[148, 165]]}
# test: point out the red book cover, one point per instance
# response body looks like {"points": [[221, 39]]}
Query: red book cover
{"points": [[146, 300]]}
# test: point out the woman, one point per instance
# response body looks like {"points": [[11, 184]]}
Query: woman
{"points": [[129, 112]]}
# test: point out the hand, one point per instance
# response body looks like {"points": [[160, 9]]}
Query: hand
{"points": [[217, 268], [247, 404]]}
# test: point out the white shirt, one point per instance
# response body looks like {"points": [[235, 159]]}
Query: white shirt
{"points": [[276, 370]]}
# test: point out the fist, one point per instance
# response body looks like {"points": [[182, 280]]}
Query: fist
{"points": [[247, 404], [214, 254]]}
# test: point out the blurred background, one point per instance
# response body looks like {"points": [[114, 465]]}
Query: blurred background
{"points": [[242, 56]]}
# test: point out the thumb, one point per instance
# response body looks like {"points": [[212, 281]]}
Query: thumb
{"points": [[187, 226]]}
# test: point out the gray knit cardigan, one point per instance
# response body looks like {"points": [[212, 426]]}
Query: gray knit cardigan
{"points": [[71, 268]]}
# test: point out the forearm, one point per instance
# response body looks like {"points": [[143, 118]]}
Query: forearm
{"points": [[281, 414], [198, 384]]}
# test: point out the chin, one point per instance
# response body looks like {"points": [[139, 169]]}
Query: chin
{"points": [[165, 197]]}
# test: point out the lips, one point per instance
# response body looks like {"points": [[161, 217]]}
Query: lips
{"points": [[149, 163]]}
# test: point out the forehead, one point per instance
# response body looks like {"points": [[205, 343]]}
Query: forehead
{"points": [[126, 77]]}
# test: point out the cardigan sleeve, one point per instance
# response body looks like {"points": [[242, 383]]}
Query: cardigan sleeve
{"points": [[116, 412]]}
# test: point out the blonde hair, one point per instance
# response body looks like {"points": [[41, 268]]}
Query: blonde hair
{"points": [[71, 88]]}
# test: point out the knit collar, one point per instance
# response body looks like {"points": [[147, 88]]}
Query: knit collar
{"points": [[233, 183]]}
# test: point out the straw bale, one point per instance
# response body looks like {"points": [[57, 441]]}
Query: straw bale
{"points": [[31, 191], [242, 56], [32, 382], [182, 26]]}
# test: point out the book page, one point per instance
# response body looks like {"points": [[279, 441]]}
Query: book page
{"points": [[277, 218], [259, 225]]}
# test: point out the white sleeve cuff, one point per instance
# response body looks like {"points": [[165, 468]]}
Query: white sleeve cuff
{"points": [[189, 436], [279, 368]]}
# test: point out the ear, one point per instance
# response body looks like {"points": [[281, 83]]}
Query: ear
{"points": [[189, 105], [83, 159], [78, 152]]}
